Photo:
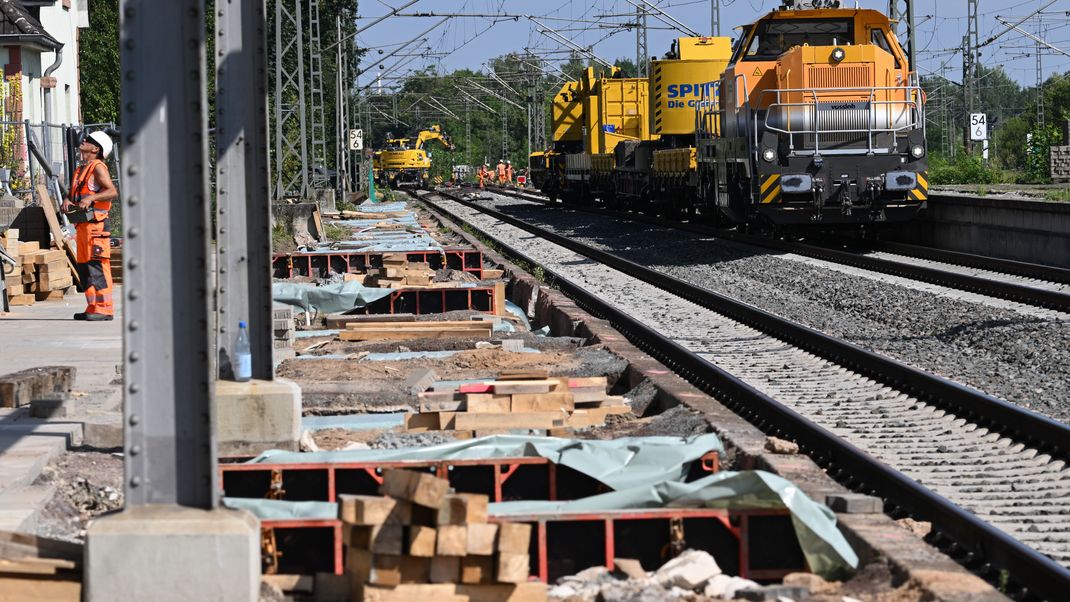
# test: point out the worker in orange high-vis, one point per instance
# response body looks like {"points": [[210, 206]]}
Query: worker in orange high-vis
{"points": [[92, 193], [509, 173], [483, 174], [501, 172]]}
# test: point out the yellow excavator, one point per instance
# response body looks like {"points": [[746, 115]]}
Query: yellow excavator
{"points": [[404, 162]]}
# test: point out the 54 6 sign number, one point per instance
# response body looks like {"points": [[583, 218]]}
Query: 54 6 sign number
{"points": [[978, 126]]}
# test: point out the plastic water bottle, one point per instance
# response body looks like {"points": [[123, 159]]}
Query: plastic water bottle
{"points": [[243, 355]]}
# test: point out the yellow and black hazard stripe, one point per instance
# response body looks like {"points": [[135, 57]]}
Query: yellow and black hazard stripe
{"points": [[769, 191], [920, 193]]}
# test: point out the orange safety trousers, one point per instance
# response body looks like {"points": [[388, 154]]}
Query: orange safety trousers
{"points": [[94, 266], [93, 253]]}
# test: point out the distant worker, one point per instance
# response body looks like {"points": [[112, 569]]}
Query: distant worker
{"points": [[92, 193], [501, 172], [509, 173], [484, 173]]}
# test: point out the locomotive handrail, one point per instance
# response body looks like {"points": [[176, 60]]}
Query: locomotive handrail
{"points": [[914, 105]]}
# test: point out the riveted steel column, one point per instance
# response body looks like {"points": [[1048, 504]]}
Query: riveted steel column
{"points": [[242, 197], [170, 455]]}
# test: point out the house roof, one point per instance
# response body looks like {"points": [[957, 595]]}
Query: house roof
{"points": [[18, 26]]}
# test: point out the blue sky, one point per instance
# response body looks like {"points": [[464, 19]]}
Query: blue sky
{"points": [[469, 42]]}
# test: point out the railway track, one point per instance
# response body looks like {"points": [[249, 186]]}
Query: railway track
{"points": [[991, 476], [1030, 284]]}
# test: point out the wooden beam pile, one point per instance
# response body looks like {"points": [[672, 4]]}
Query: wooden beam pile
{"points": [[517, 400], [399, 272], [422, 543], [36, 568], [44, 274], [394, 331]]}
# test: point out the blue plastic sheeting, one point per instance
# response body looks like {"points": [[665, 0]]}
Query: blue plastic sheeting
{"points": [[331, 298], [618, 463], [514, 309], [325, 356], [282, 509], [400, 356], [308, 334], [827, 552], [392, 207], [356, 422]]}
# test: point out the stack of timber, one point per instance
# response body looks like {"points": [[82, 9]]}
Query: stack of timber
{"points": [[526, 400], [37, 568], [423, 543], [44, 274], [391, 330], [399, 272]]}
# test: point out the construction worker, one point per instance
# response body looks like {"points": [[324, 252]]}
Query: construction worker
{"points": [[509, 173], [484, 173], [92, 193], [501, 172]]}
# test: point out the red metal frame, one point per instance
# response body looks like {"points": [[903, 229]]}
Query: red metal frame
{"points": [[283, 264], [607, 518]]}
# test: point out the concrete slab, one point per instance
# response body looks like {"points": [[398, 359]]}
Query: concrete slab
{"points": [[173, 554], [255, 416], [20, 507]]}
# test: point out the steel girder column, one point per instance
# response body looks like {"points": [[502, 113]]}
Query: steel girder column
{"points": [[166, 319], [243, 201]]}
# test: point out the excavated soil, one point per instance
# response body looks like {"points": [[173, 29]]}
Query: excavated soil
{"points": [[88, 484]]}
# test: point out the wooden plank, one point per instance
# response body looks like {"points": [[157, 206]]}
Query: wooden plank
{"points": [[49, 260], [512, 568], [452, 540], [528, 374], [387, 538], [35, 588], [449, 592], [514, 538], [588, 381], [342, 320], [373, 510], [462, 509], [417, 487], [394, 334], [499, 299], [511, 387], [445, 569], [606, 402], [542, 402], [317, 219], [466, 421], [482, 538], [421, 540], [488, 402], [53, 227], [477, 569], [441, 401], [595, 416], [423, 324], [28, 248], [21, 299], [380, 569], [587, 394], [492, 273]]}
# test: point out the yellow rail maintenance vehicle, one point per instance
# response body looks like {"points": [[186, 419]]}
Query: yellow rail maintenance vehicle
{"points": [[405, 162], [820, 122]]}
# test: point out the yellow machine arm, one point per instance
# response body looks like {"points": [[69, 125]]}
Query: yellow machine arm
{"points": [[433, 133]]}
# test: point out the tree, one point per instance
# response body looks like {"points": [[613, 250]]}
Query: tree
{"points": [[98, 55]]}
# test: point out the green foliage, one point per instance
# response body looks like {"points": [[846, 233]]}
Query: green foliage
{"points": [[966, 169], [98, 57], [1038, 152], [335, 232], [1061, 194]]}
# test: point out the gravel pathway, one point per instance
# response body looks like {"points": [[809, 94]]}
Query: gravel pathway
{"points": [[999, 347]]}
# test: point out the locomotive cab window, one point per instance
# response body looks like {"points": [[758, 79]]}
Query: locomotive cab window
{"points": [[776, 36], [878, 39]]}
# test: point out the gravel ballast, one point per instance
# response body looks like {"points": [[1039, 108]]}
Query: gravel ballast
{"points": [[1019, 356]]}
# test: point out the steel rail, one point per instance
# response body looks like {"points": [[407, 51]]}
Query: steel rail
{"points": [[981, 262], [992, 288], [984, 543]]}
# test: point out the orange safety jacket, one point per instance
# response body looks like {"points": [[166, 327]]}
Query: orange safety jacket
{"points": [[85, 232]]}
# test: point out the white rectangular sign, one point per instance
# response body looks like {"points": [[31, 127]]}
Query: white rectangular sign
{"points": [[978, 126], [356, 140]]}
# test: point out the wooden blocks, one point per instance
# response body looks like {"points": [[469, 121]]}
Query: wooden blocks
{"points": [[429, 544], [399, 272], [416, 487], [42, 275], [392, 331], [518, 400]]}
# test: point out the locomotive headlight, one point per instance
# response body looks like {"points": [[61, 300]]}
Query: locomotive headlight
{"points": [[838, 55], [769, 155], [917, 151]]}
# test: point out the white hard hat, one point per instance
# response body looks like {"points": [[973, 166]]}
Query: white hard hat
{"points": [[103, 141]]}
